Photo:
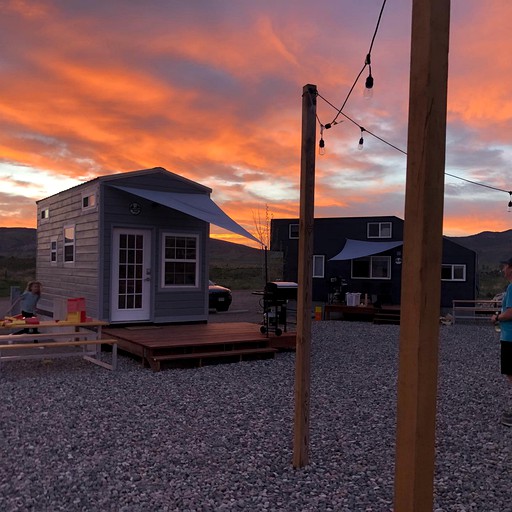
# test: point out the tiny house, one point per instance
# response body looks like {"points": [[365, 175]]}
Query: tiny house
{"points": [[364, 254], [133, 244]]}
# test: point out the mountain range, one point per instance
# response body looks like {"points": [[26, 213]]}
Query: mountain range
{"points": [[491, 246]]}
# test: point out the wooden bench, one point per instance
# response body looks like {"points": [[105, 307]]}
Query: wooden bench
{"points": [[91, 348], [155, 361], [474, 309]]}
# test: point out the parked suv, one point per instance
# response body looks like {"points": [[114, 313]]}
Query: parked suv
{"points": [[219, 297]]}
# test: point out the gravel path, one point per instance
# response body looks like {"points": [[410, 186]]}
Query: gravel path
{"points": [[75, 437]]}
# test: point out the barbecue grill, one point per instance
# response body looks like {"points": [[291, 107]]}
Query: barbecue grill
{"points": [[275, 298]]}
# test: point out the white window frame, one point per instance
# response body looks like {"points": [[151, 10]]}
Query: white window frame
{"points": [[164, 260], [381, 226], [88, 196], [453, 266], [371, 276], [54, 246], [319, 258], [69, 244], [290, 226], [44, 215]]}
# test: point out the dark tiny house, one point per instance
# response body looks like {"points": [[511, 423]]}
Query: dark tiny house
{"points": [[370, 252]]}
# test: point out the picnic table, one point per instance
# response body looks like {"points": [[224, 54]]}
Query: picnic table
{"points": [[82, 339]]}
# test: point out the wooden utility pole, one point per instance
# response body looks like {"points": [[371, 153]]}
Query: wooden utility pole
{"points": [[305, 272], [421, 274]]}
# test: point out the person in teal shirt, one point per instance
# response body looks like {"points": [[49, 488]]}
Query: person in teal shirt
{"points": [[505, 320], [29, 299]]}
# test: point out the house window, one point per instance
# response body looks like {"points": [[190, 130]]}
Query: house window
{"points": [[372, 267], [69, 244], [379, 230], [180, 260], [45, 213], [53, 251], [318, 265], [88, 201], [293, 231], [453, 273]]}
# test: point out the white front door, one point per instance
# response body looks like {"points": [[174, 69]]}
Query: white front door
{"points": [[131, 275]]}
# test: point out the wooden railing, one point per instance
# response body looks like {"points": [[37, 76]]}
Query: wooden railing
{"points": [[474, 309]]}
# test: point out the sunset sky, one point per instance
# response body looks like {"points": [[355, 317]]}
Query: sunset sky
{"points": [[211, 90]]}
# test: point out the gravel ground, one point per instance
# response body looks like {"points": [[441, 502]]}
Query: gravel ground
{"points": [[76, 437]]}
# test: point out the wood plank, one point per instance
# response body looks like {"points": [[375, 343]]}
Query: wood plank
{"points": [[305, 273], [421, 283], [56, 344], [218, 353]]}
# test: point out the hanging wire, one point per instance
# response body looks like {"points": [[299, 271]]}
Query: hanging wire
{"points": [[363, 129], [366, 63]]}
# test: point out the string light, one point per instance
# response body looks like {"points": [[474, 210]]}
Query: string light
{"points": [[369, 79], [361, 140], [368, 85], [361, 143], [321, 144]]}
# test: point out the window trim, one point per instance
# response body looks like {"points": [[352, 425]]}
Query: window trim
{"points": [[87, 195], [380, 224], [44, 214], [290, 231], [163, 261], [388, 278], [321, 257], [73, 244], [54, 250], [453, 266]]}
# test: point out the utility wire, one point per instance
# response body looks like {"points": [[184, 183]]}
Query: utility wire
{"points": [[363, 129], [367, 62]]}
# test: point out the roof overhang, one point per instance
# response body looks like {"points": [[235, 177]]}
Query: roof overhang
{"points": [[199, 206], [360, 248]]}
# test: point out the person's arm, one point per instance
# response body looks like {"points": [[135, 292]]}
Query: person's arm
{"points": [[504, 316]]}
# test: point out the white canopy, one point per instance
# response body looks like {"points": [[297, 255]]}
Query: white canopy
{"points": [[359, 249], [199, 206]]}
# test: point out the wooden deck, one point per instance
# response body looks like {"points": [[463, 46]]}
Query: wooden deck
{"points": [[198, 344]]}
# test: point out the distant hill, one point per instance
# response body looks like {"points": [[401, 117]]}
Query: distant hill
{"points": [[22, 242], [491, 246], [19, 242]]}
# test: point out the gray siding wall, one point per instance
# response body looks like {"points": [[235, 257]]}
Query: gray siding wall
{"points": [[62, 280], [167, 305]]}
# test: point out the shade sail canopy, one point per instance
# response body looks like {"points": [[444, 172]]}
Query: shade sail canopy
{"points": [[359, 249], [199, 206]]}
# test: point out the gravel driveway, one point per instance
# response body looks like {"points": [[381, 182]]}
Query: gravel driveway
{"points": [[76, 437]]}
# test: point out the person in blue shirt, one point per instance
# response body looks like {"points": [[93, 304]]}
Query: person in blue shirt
{"points": [[505, 320], [29, 299]]}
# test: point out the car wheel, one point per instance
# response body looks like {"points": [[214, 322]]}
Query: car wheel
{"points": [[222, 308]]}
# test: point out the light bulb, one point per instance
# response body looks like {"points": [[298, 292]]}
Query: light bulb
{"points": [[368, 87], [510, 203], [360, 145], [321, 147]]}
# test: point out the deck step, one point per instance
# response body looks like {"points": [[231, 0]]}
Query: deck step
{"points": [[155, 361], [387, 318]]}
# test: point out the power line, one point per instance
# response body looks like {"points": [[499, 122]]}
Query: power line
{"points": [[363, 129], [367, 62]]}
